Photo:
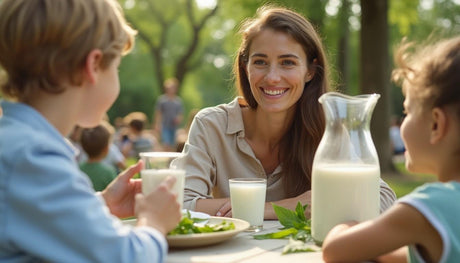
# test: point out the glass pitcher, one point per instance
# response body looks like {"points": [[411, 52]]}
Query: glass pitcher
{"points": [[346, 171]]}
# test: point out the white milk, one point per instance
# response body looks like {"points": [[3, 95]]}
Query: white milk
{"points": [[151, 178], [343, 193], [248, 201]]}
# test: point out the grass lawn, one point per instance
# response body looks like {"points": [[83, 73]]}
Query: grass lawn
{"points": [[405, 182]]}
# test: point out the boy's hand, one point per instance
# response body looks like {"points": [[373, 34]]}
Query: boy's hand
{"points": [[119, 194], [160, 208]]}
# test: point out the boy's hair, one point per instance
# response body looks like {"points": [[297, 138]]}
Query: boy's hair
{"points": [[45, 43], [95, 141], [432, 71]]}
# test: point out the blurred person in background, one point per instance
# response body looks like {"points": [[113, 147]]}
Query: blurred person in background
{"points": [[397, 144], [168, 114], [182, 134], [95, 142], [137, 139], [114, 158]]}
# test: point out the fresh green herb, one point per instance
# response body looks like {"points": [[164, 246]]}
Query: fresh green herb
{"points": [[297, 246], [189, 225], [295, 227]]}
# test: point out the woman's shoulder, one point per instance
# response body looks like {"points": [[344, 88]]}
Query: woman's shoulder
{"points": [[222, 111], [222, 119]]}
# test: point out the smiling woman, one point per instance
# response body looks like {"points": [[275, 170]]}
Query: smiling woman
{"points": [[277, 70], [273, 128]]}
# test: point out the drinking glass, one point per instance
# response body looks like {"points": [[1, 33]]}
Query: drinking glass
{"points": [[158, 166], [247, 196]]}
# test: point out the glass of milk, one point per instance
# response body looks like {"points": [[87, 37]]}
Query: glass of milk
{"points": [[158, 166], [247, 196]]}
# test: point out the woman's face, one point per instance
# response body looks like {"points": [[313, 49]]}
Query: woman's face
{"points": [[277, 70]]}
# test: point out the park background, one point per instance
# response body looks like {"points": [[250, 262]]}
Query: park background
{"points": [[195, 41]]}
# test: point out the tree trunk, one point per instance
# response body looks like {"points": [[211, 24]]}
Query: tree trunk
{"points": [[375, 74], [183, 64], [344, 39], [158, 43]]}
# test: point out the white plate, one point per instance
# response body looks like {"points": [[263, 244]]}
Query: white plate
{"points": [[193, 214], [203, 239]]}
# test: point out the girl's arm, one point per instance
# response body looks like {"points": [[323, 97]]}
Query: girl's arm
{"points": [[400, 226]]}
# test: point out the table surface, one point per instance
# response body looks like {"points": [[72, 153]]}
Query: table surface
{"points": [[244, 248]]}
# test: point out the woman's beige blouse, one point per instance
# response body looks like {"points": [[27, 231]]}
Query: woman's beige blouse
{"points": [[217, 151]]}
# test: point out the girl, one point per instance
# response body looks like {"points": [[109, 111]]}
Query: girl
{"points": [[422, 226]]}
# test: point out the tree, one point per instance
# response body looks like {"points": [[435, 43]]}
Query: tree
{"points": [[344, 43], [375, 73], [166, 20]]}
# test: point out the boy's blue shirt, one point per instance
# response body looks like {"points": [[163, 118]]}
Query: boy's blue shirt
{"points": [[48, 209]]}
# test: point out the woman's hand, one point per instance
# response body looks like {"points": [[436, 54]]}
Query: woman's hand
{"points": [[214, 207], [119, 194], [226, 209]]}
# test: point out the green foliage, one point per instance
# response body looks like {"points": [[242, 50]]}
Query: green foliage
{"points": [[405, 182], [203, 85], [207, 84], [295, 227], [137, 91], [403, 14]]}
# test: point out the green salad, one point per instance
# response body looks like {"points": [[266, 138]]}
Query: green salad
{"points": [[189, 225]]}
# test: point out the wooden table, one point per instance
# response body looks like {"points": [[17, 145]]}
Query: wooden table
{"points": [[244, 248]]}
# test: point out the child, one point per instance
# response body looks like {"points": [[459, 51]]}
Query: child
{"points": [[168, 113], [95, 142], [61, 60], [114, 156], [138, 139], [424, 225]]}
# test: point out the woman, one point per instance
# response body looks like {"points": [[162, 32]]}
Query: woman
{"points": [[273, 130]]}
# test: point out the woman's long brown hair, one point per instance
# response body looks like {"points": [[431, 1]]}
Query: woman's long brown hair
{"points": [[299, 144]]}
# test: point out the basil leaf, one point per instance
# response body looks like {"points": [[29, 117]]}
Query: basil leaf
{"points": [[296, 246], [276, 235], [296, 227], [286, 217], [300, 211]]}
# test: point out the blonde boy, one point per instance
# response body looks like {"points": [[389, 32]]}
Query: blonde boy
{"points": [[61, 59]]}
